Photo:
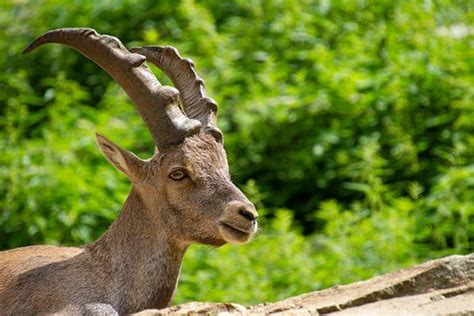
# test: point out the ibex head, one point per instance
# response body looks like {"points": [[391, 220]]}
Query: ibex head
{"points": [[186, 185]]}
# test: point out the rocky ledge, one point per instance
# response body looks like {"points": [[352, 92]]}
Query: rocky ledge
{"points": [[438, 287]]}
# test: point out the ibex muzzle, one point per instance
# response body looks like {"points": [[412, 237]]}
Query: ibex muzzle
{"points": [[182, 195], [238, 222]]}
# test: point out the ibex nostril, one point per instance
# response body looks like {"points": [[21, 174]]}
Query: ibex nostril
{"points": [[247, 214]]}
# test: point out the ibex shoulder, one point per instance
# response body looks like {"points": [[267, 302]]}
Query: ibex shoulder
{"points": [[19, 260]]}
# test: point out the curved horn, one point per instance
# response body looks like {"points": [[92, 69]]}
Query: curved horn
{"points": [[197, 104], [158, 105]]}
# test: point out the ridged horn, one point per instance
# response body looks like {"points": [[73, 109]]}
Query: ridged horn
{"points": [[196, 103], [158, 105]]}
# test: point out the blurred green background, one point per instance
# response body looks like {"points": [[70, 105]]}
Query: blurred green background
{"points": [[350, 124]]}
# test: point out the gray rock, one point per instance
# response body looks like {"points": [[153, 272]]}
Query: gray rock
{"points": [[438, 287]]}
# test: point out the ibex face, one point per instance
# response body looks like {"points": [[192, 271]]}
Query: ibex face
{"points": [[205, 205], [188, 176]]}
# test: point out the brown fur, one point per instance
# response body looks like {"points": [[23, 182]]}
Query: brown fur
{"points": [[135, 265]]}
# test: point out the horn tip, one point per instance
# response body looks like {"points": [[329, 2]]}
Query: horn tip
{"points": [[29, 48], [98, 136]]}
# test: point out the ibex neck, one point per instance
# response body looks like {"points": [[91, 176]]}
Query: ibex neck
{"points": [[140, 259]]}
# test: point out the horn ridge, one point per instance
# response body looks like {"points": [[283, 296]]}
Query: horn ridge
{"points": [[181, 71]]}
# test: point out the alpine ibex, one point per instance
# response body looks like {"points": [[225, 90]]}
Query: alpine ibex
{"points": [[182, 195]]}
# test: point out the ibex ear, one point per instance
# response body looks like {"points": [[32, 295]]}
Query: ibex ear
{"points": [[122, 159]]}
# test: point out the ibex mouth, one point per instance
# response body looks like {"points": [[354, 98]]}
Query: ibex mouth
{"points": [[233, 227], [233, 234]]}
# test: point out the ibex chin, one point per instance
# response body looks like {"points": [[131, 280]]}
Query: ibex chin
{"points": [[182, 195]]}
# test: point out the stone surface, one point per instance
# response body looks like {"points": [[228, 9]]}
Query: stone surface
{"points": [[438, 287]]}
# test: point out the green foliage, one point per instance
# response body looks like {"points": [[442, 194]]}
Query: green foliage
{"points": [[350, 124]]}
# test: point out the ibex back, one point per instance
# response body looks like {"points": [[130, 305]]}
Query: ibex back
{"points": [[182, 195]]}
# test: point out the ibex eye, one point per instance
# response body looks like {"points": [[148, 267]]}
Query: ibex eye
{"points": [[177, 175]]}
